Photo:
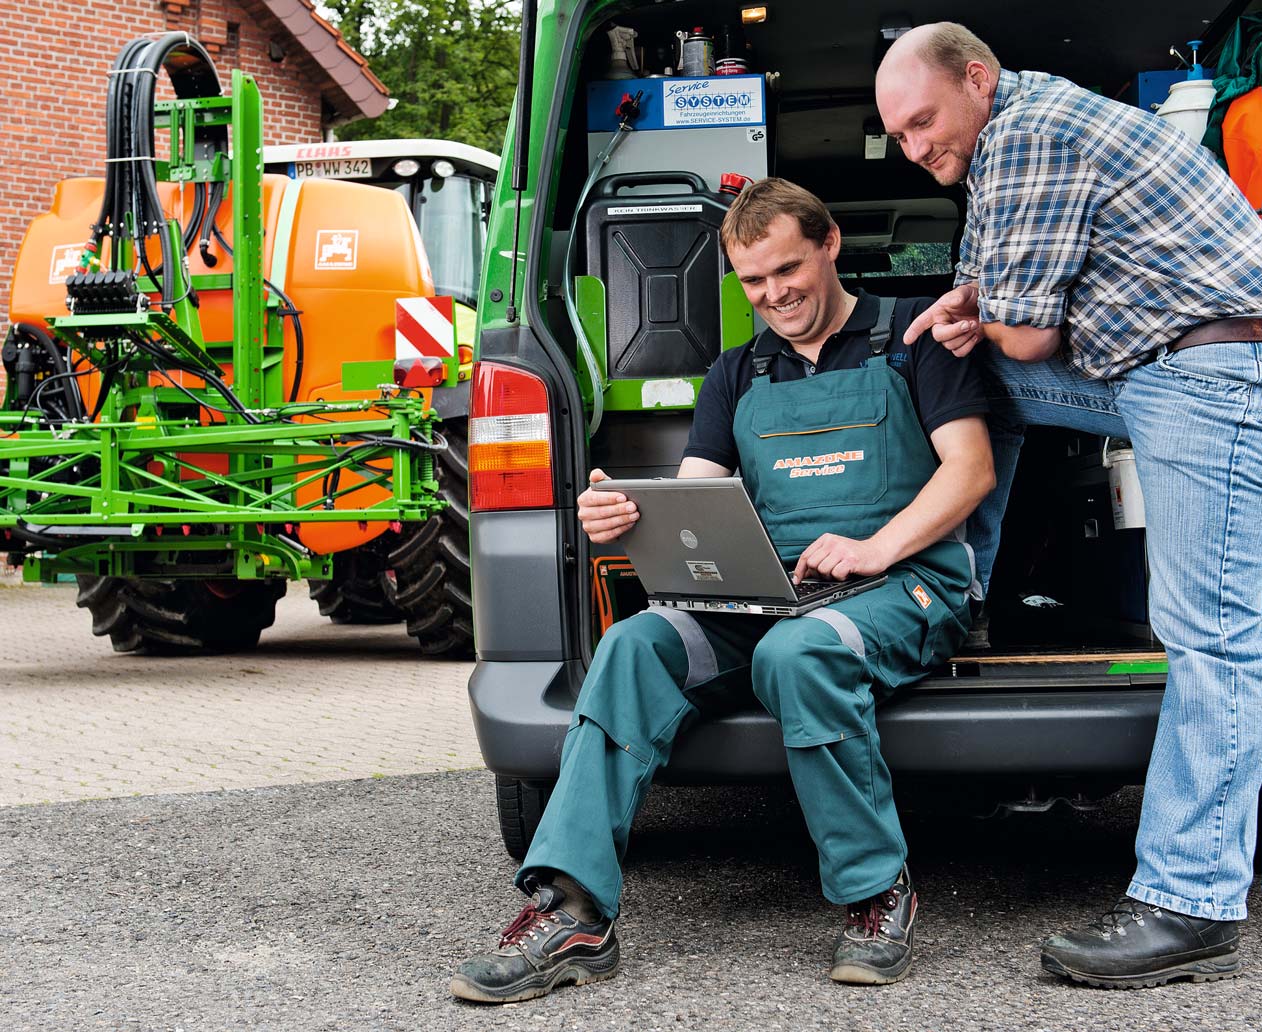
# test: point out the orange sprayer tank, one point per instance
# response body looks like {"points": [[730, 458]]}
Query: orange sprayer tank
{"points": [[352, 251]]}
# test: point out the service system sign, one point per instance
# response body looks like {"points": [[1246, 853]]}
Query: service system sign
{"points": [[724, 100], [701, 103]]}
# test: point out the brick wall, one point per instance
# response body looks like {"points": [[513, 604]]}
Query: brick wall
{"points": [[52, 97]]}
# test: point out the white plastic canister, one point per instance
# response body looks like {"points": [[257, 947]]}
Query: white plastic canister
{"points": [[1124, 492], [1188, 104]]}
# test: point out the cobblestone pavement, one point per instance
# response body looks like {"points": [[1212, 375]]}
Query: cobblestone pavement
{"points": [[315, 702]]}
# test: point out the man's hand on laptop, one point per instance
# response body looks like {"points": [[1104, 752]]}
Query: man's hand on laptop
{"points": [[605, 515], [831, 556]]}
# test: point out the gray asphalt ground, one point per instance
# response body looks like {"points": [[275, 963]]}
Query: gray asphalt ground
{"points": [[345, 905], [342, 902]]}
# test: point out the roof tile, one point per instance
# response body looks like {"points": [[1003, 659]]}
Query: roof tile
{"points": [[356, 90]]}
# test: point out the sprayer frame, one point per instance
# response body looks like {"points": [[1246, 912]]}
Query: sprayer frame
{"points": [[144, 451]]}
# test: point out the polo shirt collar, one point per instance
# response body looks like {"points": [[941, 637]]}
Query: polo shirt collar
{"points": [[862, 318]]}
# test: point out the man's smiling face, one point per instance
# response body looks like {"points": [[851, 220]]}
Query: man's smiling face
{"points": [[934, 118], [791, 281]]}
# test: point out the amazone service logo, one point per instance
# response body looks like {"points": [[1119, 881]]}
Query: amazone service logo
{"points": [[827, 465]]}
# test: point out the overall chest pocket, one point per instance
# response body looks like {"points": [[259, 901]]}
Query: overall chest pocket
{"points": [[828, 452]]}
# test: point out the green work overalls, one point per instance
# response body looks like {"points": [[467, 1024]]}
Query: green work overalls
{"points": [[839, 452]]}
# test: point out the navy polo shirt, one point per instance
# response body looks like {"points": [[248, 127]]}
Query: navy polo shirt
{"points": [[943, 388]]}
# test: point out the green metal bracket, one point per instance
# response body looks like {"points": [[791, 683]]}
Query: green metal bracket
{"points": [[589, 301], [736, 314], [366, 376]]}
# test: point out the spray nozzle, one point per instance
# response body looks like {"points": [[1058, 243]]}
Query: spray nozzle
{"points": [[622, 60], [1196, 70]]}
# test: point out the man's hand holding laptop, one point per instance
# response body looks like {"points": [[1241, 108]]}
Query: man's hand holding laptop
{"points": [[605, 515]]}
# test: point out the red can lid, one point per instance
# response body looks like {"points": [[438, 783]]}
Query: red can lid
{"points": [[733, 182]]}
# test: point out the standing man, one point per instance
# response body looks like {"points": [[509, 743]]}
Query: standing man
{"points": [[830, 374], [1099, 230]]}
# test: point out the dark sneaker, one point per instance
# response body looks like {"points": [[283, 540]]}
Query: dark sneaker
{"points": [[1136, 945], [543, 948], [978, 639], [875, 946]]}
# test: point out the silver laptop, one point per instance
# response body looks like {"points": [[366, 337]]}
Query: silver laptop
{"points": [[699, 544]]}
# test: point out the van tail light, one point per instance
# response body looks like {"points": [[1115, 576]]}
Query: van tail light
{"points": [[510, 440]]}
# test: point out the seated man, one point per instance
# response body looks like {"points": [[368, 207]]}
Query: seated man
{"points": [[830, 374]]}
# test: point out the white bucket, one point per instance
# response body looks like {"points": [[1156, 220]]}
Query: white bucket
{"points": [[1188, 104], [1124, 492]]}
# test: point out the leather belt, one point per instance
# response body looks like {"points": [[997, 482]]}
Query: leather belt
{"points": [[1243, 327]]}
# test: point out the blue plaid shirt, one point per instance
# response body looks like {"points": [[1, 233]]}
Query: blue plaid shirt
{"points": [[1104, 220]]}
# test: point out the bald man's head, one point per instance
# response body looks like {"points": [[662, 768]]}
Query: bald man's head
{"points": [[934, 91]]}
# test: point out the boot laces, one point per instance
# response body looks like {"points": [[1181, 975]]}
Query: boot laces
{"points": [[1124, 912], [526, 924], [869, 913]]}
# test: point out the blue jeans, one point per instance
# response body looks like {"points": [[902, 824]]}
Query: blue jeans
{"points": [[1194, 420], [1024, 394]]}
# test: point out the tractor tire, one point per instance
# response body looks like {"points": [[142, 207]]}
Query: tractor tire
{"points": [[173, 617], [356, 593], [428, 569], [520, 805]]}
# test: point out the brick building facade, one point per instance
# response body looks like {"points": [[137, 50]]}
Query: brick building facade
{"points": [[57, 54]]}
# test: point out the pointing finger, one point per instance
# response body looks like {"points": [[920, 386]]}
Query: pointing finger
{"points": [[921, 323]]}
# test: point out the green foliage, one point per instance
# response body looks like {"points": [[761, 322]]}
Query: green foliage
{"points": [[450, 64], [920, 259]]}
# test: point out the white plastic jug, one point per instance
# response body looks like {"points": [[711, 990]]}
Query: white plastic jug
{"points": [[1188, 104], [1124, 491]]}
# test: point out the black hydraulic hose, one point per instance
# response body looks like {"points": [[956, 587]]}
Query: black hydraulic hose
{"points": [[208, 225], [117, 103], [131, 188], [288, 309], [194, 226], [166, 358], [31, 537], [60, 364], [109, 373]]}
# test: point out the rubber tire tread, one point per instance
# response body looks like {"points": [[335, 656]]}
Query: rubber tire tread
{"points": [[520, 805], [356, 594], [178, 617]]}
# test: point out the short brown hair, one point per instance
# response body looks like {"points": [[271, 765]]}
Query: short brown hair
{"points": [[950, 47], [753, 211]]}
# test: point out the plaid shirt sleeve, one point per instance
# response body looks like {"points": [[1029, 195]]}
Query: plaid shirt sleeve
{"points": [[1032, 202]]}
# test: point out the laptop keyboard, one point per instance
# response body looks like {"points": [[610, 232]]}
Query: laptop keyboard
{"points": [[810, 587]]}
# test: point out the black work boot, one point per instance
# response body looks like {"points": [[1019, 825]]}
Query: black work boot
{"points": [[546, 946], [1136, 945], [874, 947]]}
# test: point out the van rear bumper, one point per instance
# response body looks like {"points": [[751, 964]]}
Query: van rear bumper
{"points": [[521, 712]]}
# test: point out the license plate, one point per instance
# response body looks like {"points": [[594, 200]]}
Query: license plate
{"points": [[332, 168]]}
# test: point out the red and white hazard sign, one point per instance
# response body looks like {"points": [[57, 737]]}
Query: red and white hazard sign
{"points": [[424, 327]]}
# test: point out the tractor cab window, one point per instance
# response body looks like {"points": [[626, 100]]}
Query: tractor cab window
{"points": [[451, 214]]}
